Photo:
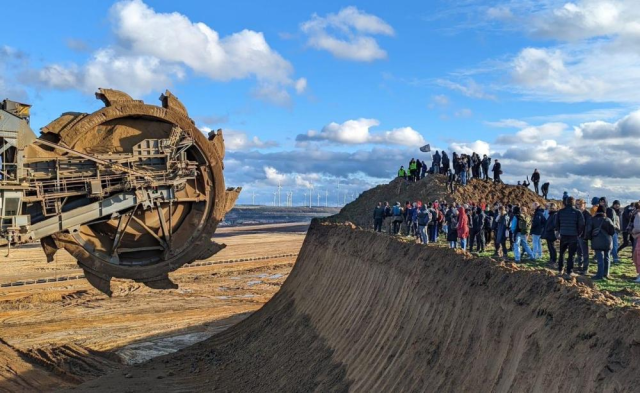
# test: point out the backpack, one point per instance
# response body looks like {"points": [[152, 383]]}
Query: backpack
{"points": [[396, 211], [523, 224], [488, 221], [434, 215]]}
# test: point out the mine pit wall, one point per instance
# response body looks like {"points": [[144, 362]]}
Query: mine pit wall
{"points": [[379, 314]]}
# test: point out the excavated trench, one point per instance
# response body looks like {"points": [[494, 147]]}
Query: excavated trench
{"points": [[366, 312]]}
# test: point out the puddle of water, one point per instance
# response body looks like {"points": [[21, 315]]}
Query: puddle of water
{"points": [[252, 283], [276, 276], [141, 352]]}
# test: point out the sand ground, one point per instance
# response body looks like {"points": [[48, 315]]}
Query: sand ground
{"points": [[74, 330]]}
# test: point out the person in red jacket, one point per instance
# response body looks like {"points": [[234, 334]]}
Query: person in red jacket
{"points": [[463, 227]]}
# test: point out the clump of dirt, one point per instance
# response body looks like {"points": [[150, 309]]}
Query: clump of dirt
{"points": [[362, 311], [429, 189]]}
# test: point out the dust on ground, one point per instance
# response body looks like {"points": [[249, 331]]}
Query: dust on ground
{"points": [[64, 333]]}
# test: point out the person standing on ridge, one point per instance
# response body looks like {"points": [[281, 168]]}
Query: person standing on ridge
{"points": [[501, 225], [397, 217], [418, 169], [550, 236], [537, 228], [583, 239], [402, 173], [535, 179], [424, 170], [452, 223], [437, 159], [477, 232], [601, 233], [486, 163], [570, 224], [497, 171], [617, 223], [445, 162], [625, 216], [545, 191], [423, 221], [521, 226], [378, 216], [413, 167], [463, 228]]}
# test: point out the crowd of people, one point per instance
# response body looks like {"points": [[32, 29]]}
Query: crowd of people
{"points": [[462, 167], [574, 227]]}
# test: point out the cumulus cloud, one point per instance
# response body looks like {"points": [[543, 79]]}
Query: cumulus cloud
{"points": [[353, 132], [347, 34], [480, 147], [627, 127], [153, 49], [534, 134]]}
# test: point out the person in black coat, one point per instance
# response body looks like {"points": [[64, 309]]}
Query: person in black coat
{"points": [[545, 190], [602, 231], [535, 179], [549, 234], [477, 231], [570, 225], [497, 171], [378, 217]]}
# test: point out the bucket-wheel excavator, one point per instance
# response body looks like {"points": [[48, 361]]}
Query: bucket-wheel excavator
{"points": [[131, 191]]}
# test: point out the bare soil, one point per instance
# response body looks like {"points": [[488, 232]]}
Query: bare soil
{"points": [[61, 334], [366, 312]]}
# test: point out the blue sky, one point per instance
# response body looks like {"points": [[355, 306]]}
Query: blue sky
{"points": [[309, 94]]}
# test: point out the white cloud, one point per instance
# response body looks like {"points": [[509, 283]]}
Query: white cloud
{"points": [[301, 85], [153, 49], [533, 134], [274, 177], [468, 88], [500, 13], [347, 34], [353, 132], [480, 147], [627, 127]]}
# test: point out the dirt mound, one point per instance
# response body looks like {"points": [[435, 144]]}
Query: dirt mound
{"points": [[360, 211], [74, 363], [366, 312], [18, 374]]}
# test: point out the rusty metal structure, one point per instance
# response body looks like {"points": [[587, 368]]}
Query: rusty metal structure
{"points": [[131, 191]]}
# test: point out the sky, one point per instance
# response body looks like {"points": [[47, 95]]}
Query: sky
{"points": [[340, 94]]}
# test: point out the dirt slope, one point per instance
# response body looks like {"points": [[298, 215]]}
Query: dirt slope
{"points": [[360, 211], [366, 312]]}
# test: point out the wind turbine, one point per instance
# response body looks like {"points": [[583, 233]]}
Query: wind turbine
{"points": [[274, 198], [279, 188], [253, 198], [310, 193], [304, 201], [318, 199]]}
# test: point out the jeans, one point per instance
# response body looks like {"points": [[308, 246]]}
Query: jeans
{"points": [[553, 254], [377, 224], [463, 243], [537, 246], [583, 254], [521, 240], [423, 234], [433, 232], [452, 244], [614, 250], [604, 263], [535, 186], [463, 178], [570, 243]]}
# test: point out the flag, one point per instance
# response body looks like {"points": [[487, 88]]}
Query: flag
{"points": [[425, 148]]}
